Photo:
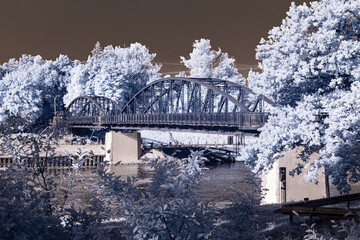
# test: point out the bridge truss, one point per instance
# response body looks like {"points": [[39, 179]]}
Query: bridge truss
{"points": [[193, 103]]}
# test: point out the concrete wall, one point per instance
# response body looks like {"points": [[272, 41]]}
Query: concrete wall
{"points": [[119, 147], [297, 188], [61, 147], [270, 182], [123, 147], [62, 150]]}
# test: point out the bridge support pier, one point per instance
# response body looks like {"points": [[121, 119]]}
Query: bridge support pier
{"points": [[122, 148]]}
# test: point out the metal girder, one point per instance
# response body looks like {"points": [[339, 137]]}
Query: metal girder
{"points": [[105, 106], [213, 87]]}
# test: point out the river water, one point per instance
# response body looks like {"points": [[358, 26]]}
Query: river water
{"points": [[219, 182]]}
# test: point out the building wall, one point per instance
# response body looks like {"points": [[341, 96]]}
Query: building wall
{"points": [[297, 188], [270, 184]]}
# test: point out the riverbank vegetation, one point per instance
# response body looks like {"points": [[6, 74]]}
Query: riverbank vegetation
{"points": [[310, 67], [38, 204]]}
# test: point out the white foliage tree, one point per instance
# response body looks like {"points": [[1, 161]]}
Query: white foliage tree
{"points": [[77, 84], [341, 151], [310, 65], [114, 72], [29, 84], [204, 62]]}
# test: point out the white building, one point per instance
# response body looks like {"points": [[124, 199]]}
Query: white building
{"points": [[282, 187]]}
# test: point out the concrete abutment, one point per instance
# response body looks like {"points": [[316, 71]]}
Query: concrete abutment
{"points": [[124, 148]]}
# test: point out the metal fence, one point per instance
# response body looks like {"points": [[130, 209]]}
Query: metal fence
{"points": [[51, 162]]}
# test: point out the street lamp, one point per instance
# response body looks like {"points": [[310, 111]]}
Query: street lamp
{"points": [[54, 106], [48, 95]]}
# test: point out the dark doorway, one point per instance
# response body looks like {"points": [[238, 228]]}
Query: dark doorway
{"points": [[282, 177]]}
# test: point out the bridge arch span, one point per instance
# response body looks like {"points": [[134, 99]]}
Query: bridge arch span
{"points": [[194, 95], [171, 103], [86, 106]]}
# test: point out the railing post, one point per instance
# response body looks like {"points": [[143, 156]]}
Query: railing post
{"points": [[241, 123]]}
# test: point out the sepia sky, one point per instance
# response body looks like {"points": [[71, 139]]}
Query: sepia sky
{"points": [[166, 27]]}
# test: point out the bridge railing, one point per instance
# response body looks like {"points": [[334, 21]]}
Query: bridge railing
{"points": [[83, 120], [238, 120]]}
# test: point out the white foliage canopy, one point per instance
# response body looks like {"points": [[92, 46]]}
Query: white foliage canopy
{"points": [[114, 72], [29, 84], [310, 65], [204, 62]]}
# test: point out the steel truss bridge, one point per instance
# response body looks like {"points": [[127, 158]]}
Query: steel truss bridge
{"points": [[176, 103]]}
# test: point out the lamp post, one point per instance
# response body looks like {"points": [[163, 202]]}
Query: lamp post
{"points": [[54, 105], [4, 118], [48, 95]]}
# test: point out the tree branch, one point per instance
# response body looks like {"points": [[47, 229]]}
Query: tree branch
{"points": [[353, 14], [167, 228]]}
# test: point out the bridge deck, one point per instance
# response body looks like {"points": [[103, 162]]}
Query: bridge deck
{"points": [[244, 122]]}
